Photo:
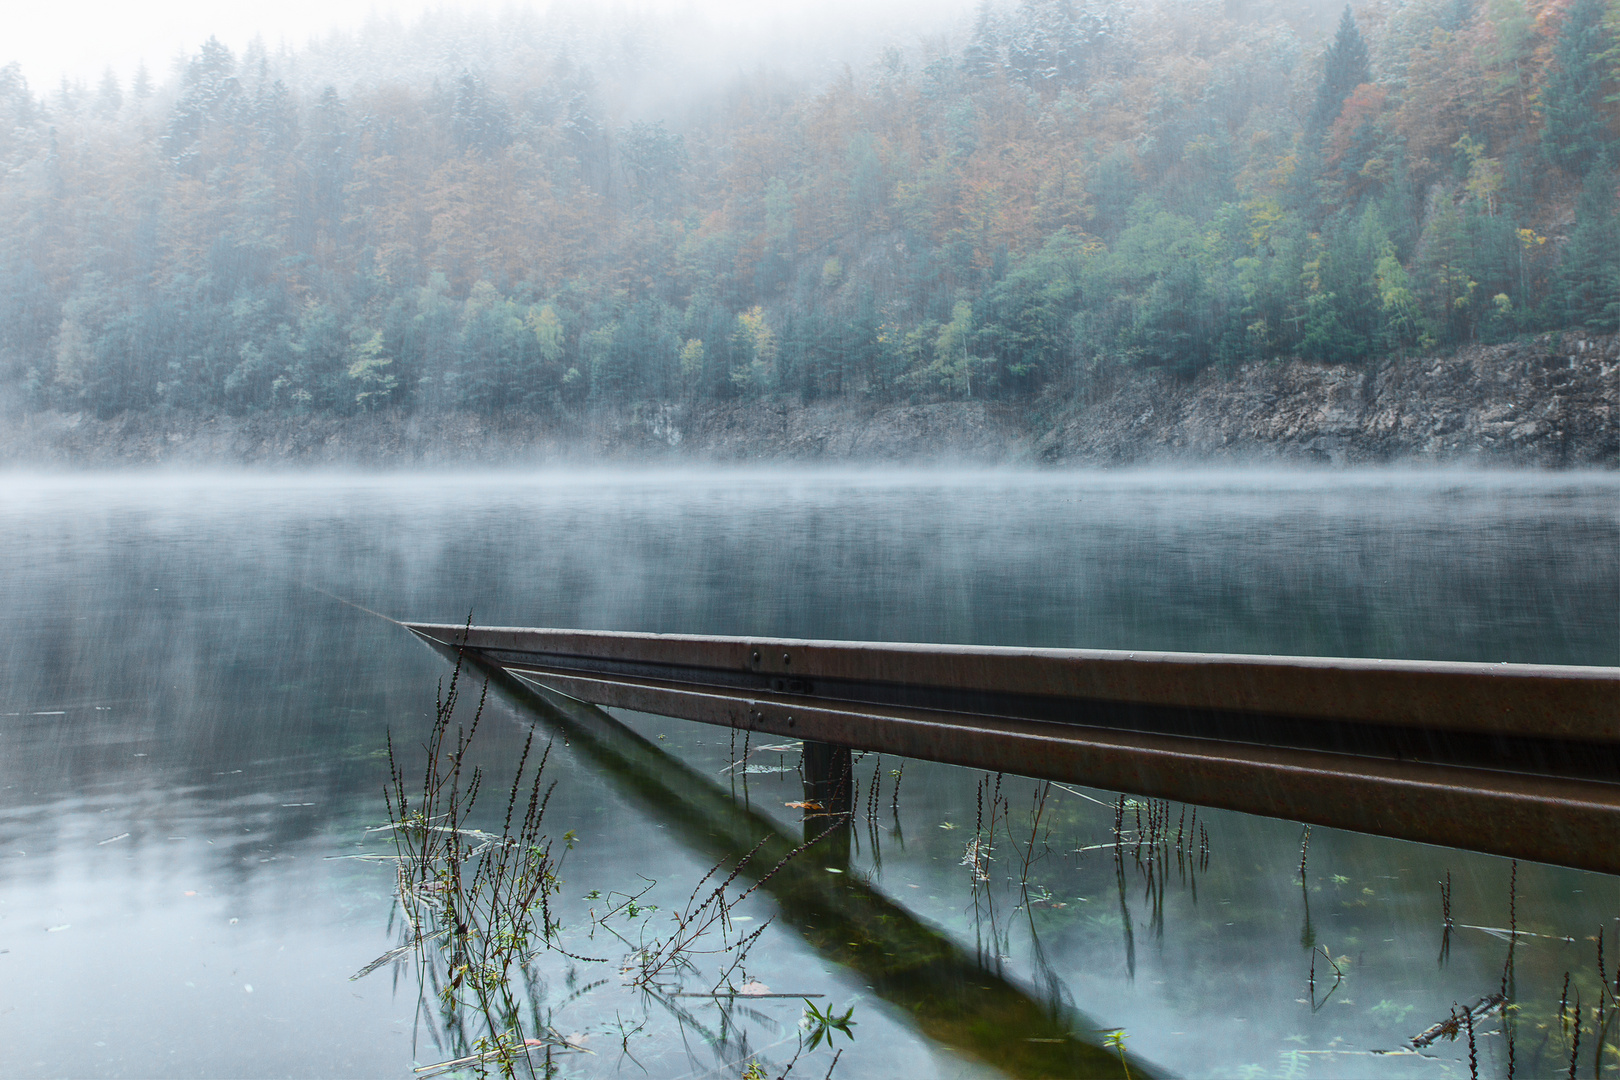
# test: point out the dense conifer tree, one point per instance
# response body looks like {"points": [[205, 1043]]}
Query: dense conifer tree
{"points": [[982, 56], [109, 95], [1589, 279], [1574, 134], [1345, 66], [209, 97]]}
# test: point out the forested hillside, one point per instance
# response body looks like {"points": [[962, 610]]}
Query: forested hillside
{"points": [[986, 210]]}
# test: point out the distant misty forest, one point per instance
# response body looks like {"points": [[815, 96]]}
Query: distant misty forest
{"points": [[539, 213]]}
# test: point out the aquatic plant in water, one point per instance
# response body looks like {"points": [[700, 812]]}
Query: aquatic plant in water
{"points": [[477, 905], [477, 909]]}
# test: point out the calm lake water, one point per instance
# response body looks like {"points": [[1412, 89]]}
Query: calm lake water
{"points": [[192, 731]]}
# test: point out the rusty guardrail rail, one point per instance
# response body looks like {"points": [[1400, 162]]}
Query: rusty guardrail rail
{"points": [[1512, 759]]}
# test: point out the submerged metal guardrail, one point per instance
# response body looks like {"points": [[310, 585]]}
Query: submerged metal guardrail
{"points": [[1511, 759]]}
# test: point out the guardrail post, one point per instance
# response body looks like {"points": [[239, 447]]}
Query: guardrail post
{"points": [[828, 778]]}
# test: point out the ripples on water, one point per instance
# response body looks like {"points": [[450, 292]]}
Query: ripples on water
{"points": [[192, 727]]}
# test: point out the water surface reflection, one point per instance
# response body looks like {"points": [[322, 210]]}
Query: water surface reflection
{"points": [[193, 726]]}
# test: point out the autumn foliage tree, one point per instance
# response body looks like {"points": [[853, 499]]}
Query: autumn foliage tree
{"points": [[1052, 189]]}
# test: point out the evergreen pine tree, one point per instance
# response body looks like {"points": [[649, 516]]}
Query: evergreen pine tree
{"points": [[1345, 67], [209, 95], [1589, 277], [16, 102], [1456, 15], [1574, 134], [326, 150], [983, 51], [109, 96], [276, 118], [479, 119]]}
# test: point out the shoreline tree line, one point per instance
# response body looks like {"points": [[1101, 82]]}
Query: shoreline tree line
{"points": [[1057, 190]]}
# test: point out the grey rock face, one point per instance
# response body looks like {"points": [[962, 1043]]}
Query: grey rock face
{"points": [[1550, 402]]}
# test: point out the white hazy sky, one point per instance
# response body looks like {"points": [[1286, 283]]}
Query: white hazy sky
{"points": [[81, 38]]}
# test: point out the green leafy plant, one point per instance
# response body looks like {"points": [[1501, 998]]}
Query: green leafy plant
{"points": [[821, 1025], [1115, 1040]]}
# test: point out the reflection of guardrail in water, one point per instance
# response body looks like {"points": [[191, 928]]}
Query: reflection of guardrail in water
{"points": [[1512, 759], [948, 995]]}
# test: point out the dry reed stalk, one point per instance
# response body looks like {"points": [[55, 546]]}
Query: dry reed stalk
{"points": [[481, 899]]}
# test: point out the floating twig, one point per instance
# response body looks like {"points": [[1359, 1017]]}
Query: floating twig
{"points": [[1451, 1027]]}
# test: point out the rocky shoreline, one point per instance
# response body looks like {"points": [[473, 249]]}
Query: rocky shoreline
{"points": [[1548, 402]]}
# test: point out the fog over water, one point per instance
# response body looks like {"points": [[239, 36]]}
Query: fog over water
{"points": [[192, 724]]}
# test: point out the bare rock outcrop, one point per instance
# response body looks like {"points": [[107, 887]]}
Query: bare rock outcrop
{"points": [[1548, 402], [1553, 401]]}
